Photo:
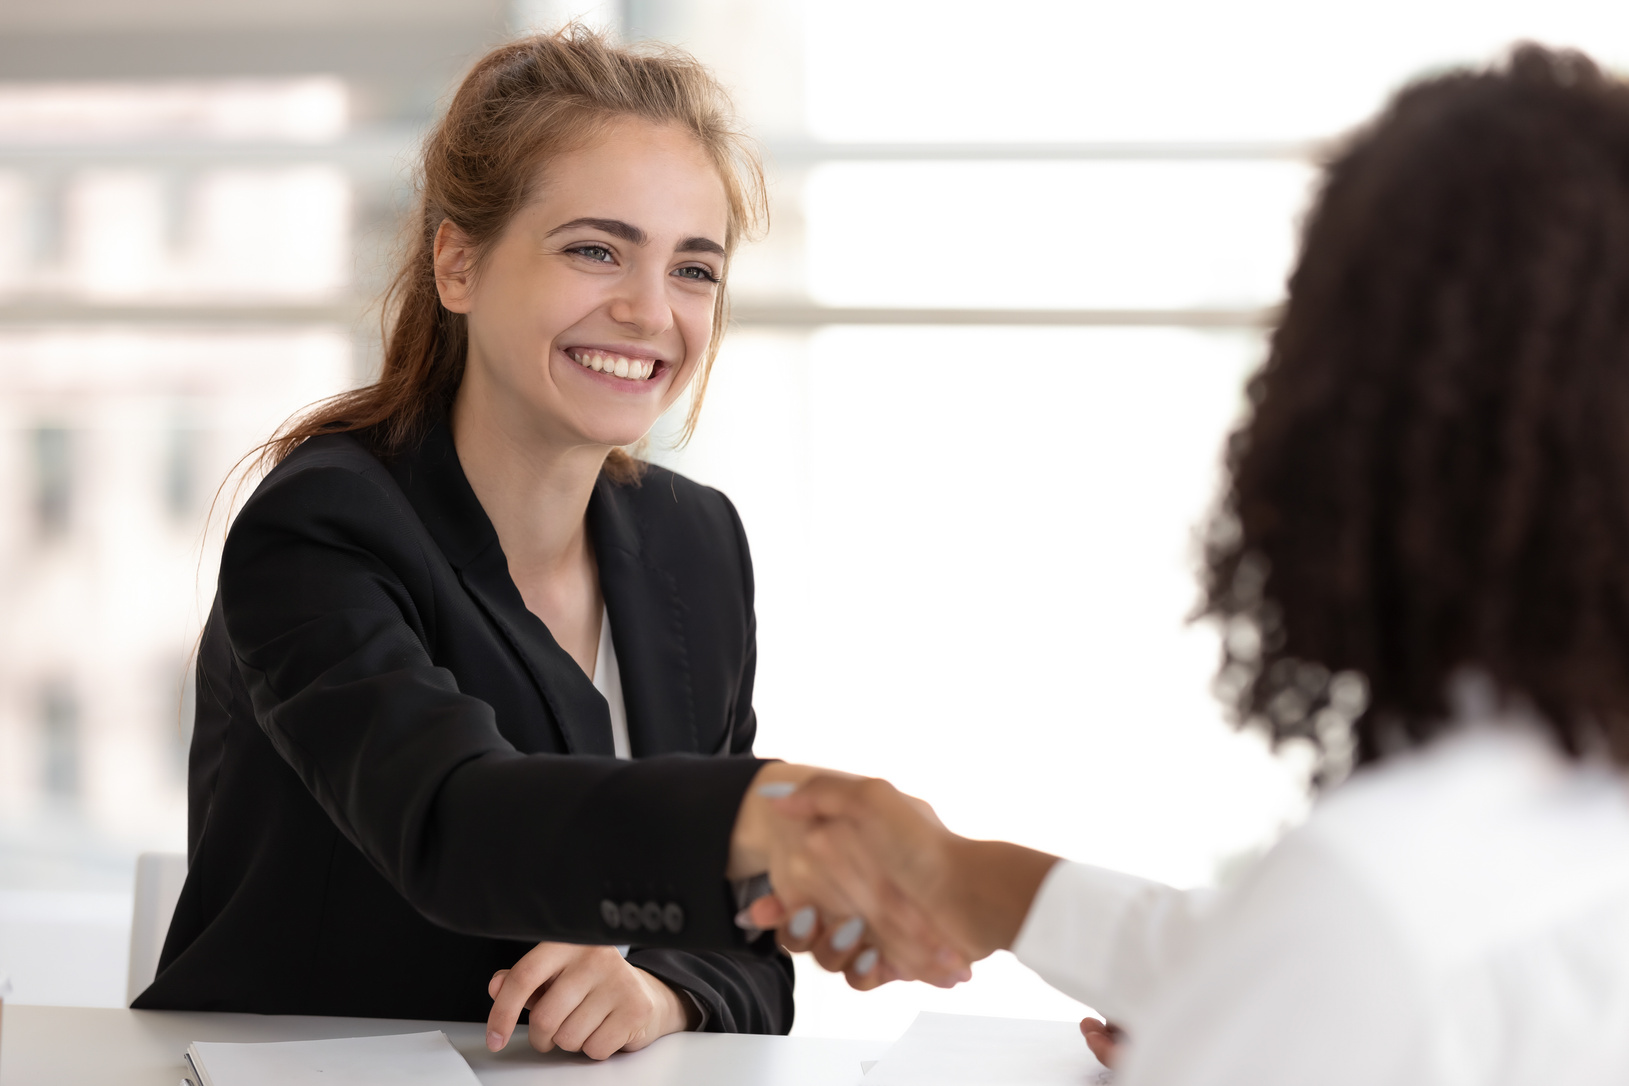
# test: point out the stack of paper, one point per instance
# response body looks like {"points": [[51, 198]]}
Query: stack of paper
{"points": [[408, 1059], [965, 1050]]}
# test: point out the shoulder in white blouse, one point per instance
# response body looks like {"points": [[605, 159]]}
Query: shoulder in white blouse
{"points": [[1455, 916]]}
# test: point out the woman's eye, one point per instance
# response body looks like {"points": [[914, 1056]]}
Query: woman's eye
{"points": [[594, 252], [697, 273]]}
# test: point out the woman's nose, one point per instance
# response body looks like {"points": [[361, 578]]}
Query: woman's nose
{"points": [[641, 304]]}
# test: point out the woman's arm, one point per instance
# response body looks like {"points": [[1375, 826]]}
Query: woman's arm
{"points": [[735, 993], [1108, 939], [326, 597], [1103, 937], [1300, 975]]}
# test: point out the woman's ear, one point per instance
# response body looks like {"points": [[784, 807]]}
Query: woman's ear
{"points": [[454, 258]]}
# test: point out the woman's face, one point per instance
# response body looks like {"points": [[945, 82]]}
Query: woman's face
{"points": [[594, 309]]}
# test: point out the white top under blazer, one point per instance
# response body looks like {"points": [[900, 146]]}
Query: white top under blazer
{"points": [[1457, 916], [608, 681]]}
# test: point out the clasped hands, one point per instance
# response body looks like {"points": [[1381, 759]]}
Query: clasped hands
{"points": [[869, 881]]}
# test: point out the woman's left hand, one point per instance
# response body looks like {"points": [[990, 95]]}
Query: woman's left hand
{"points": [[1103, 1038], [584, 999]]}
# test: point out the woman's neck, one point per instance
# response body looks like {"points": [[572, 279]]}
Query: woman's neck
{"points": [[534, 490]]}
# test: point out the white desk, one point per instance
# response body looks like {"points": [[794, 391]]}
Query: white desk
{"points": [[79, 1046]]}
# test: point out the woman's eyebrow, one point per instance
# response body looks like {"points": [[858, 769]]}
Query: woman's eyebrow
{"points": [[627, 231], [699, 245]]}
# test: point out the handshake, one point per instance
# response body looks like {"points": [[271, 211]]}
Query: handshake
{"points": [[871, 883]]}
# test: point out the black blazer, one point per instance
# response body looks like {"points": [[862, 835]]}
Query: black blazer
{"points": [[399, 781]]}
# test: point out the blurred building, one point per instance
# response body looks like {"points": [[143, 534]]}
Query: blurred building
{"points": [[197, 200]]}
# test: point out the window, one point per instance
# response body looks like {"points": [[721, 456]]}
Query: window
{"points": [[59, 741], [53, 480], [181, 472]]}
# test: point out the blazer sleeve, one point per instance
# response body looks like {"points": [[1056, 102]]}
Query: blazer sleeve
{"points": [[326, 594], [737, 993]]}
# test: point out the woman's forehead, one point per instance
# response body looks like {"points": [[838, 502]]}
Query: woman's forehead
{"points": [[637, 167]]}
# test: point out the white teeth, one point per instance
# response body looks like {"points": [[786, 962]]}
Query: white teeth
{"points": [[632, 369]]}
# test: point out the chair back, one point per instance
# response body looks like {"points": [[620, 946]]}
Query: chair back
{"points": [[159, 876]]}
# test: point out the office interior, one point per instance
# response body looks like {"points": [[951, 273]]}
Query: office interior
{"points": [[1022, 258]]}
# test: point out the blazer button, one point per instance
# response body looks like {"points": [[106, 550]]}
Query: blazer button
{"points": [[610, 914], [630, 916], [651, 915], [673, 918]]}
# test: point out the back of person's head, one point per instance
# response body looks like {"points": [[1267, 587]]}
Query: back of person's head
{"points": [[1433, 479], [520, 106]]}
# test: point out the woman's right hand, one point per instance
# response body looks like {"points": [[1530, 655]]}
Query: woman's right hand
{"points": [[840, 901], [931, 901], [584, 999]]}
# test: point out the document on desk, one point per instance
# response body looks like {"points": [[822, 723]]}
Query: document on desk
{"points": [[964, 1050], [407, 1059]]}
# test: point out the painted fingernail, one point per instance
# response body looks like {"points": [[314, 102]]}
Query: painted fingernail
{"points": [[743, 919], [803, 923], [847, 935], [494, 1040], [777, 789], [866, 962]]}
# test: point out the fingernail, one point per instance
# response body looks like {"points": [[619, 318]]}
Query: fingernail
{"points": [[847, 935], [946, 956], [964, 976], [866, 962], [494, 1040], [803, 922], [777, 789], [743, 919]]}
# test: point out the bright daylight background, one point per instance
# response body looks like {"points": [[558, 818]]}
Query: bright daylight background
{"points": [[1021, 261]]}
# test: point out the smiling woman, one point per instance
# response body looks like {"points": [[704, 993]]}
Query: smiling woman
{"points": [[587, 325], [475, 675]]}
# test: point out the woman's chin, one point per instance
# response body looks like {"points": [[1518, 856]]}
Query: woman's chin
{"points": [[619, 436]]}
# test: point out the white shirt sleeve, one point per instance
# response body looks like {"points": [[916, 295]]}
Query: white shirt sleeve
{"points": [[1106, 938], [1300, 977], [1242, 992]]}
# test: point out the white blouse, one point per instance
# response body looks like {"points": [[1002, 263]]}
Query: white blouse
{"points": [[608, 681], [1455, 916]]}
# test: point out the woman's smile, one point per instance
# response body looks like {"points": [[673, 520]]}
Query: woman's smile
{"points": [[624, 370]]}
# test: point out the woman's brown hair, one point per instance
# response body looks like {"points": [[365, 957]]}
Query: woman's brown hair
{"points": [[522, 104], [1434, 475]]}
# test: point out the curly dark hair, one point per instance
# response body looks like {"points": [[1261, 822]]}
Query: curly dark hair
{"points": [[1433, 477]]}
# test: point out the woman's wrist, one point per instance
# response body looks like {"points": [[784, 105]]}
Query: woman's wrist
{"points": [[675, 1011], [752, 842], [991, 887]]}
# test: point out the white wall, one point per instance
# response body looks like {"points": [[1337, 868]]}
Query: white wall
{"points": [[974, 557]]}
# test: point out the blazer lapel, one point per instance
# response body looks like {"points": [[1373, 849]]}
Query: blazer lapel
{"points": [[435, 483], [582, 714], [647, 629]]}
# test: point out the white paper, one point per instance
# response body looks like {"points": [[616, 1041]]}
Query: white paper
{"points": [[407, 1059], [968, 1050]]}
